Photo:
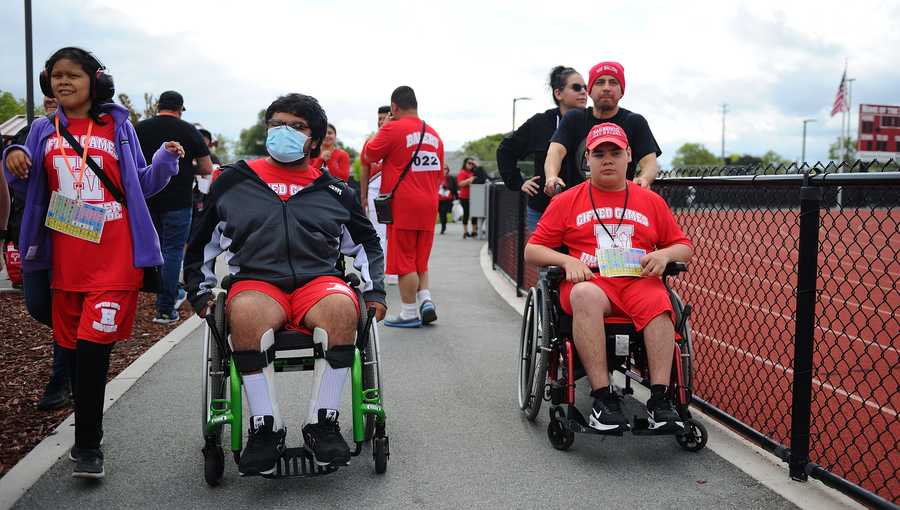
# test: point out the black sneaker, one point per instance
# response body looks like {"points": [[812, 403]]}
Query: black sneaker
{"points": [[661, 414], [606, 414], [166, 318], [74, 451], [88, 463], [324, 440], [55, 396], [264, 447]]}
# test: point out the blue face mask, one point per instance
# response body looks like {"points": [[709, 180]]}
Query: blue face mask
{"points": [[285, 144]]}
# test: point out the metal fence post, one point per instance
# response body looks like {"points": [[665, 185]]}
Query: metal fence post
{"points": [[810, 203], [520, 249]]}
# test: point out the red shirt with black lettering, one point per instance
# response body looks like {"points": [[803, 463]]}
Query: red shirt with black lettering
{"points": [[569, 221], [415, 202], [284, 182], [338, 164], [80, 265]]}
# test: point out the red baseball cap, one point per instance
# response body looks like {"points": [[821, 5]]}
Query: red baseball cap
{"points": [[607, 132], [610, 68]]}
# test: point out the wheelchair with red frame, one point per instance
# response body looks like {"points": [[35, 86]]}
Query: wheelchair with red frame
{"points": [[549, 364]]}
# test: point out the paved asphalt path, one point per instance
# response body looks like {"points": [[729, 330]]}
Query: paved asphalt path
{"points": [[457, 437]]}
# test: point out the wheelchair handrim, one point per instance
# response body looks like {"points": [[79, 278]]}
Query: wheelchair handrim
{"points": [[526, 358]]}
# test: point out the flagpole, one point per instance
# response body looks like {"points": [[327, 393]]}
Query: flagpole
{"points": [[849, 108]]}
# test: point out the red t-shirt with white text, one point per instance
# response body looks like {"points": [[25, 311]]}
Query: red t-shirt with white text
{"points": [[79, 265], [415, 202], [648, 223], [338, 164], [285, 183], [464, 190]]}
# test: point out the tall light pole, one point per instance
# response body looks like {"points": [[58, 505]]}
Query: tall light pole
{"points": [[29, 80], [849, 114], [803, 151], [514, 109], [724, 111]]}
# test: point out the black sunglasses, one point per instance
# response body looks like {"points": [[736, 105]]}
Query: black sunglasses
{"points": [[577, 87]]}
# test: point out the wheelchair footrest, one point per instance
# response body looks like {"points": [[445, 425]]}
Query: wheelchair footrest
{"points": [[575, 422], [642, 428], [299, 463]]}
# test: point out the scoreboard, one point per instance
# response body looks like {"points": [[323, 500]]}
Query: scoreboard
{"points": [[879, 132]]}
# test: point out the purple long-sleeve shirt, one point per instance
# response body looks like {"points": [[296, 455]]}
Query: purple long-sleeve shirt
{"points": [[139, 180]]}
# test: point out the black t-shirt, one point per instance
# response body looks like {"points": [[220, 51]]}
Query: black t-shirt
{"points": [[573, 130], [163, 128], [530, 140]]}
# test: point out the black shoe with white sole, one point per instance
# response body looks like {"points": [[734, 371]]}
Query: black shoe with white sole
{"points": [[88, 463], [661, 414], [324, 440], [606, 414], [264, 447]]}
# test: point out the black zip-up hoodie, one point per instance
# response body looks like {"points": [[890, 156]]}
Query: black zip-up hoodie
{"points": [[285, 243]]}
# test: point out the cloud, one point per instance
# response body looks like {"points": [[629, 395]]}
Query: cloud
{"points": [[773, 63]]}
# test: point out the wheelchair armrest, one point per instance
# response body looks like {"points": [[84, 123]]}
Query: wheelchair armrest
{"points": [[555, 274], [673, 268], [352, 280]]}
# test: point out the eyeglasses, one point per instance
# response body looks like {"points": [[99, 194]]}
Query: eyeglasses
{"points": [[577, 87], [299, 126]]}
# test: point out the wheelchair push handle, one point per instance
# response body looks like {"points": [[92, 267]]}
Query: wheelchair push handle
{"points": [[674, 268]]}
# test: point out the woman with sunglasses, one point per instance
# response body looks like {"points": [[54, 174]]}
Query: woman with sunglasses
{"points": [[533, 137]]}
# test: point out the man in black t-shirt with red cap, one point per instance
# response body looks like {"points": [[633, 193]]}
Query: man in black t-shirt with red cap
{"points": [[565, 164]]}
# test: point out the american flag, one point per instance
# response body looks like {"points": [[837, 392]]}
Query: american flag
{"points": [[840, 99]]}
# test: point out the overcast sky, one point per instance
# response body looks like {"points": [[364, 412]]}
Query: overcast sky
{"points": [[773, 62]]}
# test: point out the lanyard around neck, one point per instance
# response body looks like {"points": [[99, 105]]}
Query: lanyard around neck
{"points": [[621, 216], [79, 177]]}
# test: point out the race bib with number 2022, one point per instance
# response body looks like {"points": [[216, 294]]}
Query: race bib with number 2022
{"points": [[426, 161]]}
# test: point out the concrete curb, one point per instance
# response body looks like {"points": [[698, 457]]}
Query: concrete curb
{"points": [[42, 457], [749, 458]]}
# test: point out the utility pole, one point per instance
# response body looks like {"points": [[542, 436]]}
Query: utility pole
{"points": [[29, 80], [803, 152], [514, 110], [724, 111]]}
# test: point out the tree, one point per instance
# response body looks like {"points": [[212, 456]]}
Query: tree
{"points": [[10, 106], [125, 101], [834, 150], [773, 158], [743, 160], [151, 105], [485, 148], [694, 154], [223, 147], [353, 153], [252, 141]]}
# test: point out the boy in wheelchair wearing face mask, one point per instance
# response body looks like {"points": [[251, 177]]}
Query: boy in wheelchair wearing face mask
{"points": [[282, 223]]}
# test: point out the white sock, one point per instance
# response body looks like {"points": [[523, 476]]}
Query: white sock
{"points": [[409, 311], [258, 398], [330, 389], [423, 295]]}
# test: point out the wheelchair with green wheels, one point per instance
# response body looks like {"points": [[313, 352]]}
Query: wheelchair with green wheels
{"points": [[548, 364], [222, 393]]}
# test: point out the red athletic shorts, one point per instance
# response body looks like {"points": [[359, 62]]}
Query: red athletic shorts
{"points": [[408, 250], [297, 303], [640, 299], [103, 317]]}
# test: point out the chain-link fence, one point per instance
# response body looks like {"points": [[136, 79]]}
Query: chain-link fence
{"points": [[794, 283]]}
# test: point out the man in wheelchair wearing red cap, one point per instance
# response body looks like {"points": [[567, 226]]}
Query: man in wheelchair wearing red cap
{"points": [[613, 227]]}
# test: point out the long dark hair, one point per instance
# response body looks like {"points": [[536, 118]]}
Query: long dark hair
{"points": [[558, 77], [90, 65]]}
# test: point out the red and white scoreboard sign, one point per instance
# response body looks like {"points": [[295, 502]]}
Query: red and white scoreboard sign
{"points": [[879, 132]]}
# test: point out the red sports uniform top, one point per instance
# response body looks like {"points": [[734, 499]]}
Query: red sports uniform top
{"points": [[374, 166], [285, 183], [464, 190], [415, 202], [568, 221], [338, 164], [79, 265]]}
